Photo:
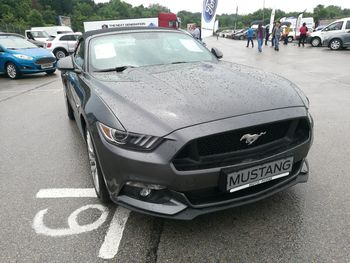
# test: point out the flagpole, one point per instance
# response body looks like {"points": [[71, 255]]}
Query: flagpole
{"points": [[263, 11]]}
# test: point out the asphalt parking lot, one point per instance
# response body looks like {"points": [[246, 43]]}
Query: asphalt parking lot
{"points": [[50, 214]]}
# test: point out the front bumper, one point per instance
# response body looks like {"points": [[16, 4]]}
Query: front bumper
{"points": [[29, 67], [188, 194]]}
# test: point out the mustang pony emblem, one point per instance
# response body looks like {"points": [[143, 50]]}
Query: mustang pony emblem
{"points": [[251, 138]]}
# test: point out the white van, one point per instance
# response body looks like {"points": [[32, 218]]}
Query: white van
{"points": [[53, 30], [341, 25]]}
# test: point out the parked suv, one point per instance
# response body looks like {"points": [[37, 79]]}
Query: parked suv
{"points": [[338, 26], [62, 45]]}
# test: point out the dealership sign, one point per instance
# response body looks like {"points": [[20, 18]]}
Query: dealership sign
{"points": [[209, 10], [208, 17]]}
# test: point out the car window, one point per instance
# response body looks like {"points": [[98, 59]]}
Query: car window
{"points": [[334, 26], [144, 49], [64, 38], [347, 25], [16, 43], [79, 54]]}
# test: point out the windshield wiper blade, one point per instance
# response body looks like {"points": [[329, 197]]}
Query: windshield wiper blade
{"points": [[179, 62], [117, 69]]}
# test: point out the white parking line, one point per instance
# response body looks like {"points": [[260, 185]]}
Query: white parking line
{"points": [[114, 234], [110, 246], [66, 192]]}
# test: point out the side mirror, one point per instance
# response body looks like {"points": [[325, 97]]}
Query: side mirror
{"points": [[66, 63], [217, 53]]}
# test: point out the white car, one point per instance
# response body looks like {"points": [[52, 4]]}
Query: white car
{"points": [[338, 26], [62, 45]]}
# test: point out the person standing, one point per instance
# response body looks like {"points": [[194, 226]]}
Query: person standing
{"points": [[196, 33], [277, 36], [273, 34], [303, 32], [267, 34], [286, 34], [250, 35], [260, 37]]}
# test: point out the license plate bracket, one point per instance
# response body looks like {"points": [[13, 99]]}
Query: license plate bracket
{"points": [[235, 180], [47, 65]]}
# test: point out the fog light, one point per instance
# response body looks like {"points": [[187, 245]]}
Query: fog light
{"points": [[145, 186], [145, 192]]}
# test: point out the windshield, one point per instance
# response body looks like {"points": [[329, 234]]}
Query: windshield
{"points": [[40, 34], [16, 43], [144, 49]]}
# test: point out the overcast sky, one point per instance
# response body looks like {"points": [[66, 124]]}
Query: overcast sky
{"points": [[244, 6]]}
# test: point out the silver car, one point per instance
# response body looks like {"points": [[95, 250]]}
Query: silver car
{"points": [[338, 40]]}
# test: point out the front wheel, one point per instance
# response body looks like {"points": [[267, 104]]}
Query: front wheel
{"points": [[290, 39], [316, 42], [11, 71], [335, 44], [97, 178]]}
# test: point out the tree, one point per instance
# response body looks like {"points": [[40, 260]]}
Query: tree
{"points": [[34, 18]]}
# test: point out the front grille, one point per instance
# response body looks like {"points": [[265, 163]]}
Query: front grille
{"points": [[42, 61], [227, 148]]}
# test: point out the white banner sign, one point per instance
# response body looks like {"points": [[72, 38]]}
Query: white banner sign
{"points": [[208, 17], [95, 25]]}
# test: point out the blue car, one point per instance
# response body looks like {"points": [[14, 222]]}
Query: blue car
{"points": [[18, 56]]}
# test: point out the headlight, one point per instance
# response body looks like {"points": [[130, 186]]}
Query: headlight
{"points": [[25, 57], [129, 140]]}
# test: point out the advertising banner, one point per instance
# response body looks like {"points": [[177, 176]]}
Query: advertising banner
{"points": [[95, 25], [208, 17], [272, 19], [298, 24]]}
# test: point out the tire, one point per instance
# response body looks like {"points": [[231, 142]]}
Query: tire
{"points": [[50, 72], [290, 39], [335, 44], [12, 71], [60, 53], [97, 178], [315, 42], [241, 38]]}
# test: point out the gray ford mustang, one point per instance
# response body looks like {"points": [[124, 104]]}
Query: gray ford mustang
{"points": [[172, 131]]}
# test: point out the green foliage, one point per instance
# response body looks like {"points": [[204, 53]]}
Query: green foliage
{"points": [[22, 14], [34, 18]]}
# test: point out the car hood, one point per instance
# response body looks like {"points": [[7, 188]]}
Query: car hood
{"points": [[157, 100], [33, 52]]}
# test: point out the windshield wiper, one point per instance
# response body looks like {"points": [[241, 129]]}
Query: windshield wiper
{"points": [[117, 69], [179, 62]]}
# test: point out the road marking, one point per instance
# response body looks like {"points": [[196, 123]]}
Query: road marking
{"points": [[74, 227], [114, 234], [66, 192], [110, 246]]}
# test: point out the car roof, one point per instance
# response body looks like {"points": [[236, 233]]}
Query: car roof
{"points": [[125, 29], [12, 34]]}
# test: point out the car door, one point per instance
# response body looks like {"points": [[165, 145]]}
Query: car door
{"points": [[78, 91], [331, 29], [72, 42], [346, 39]]}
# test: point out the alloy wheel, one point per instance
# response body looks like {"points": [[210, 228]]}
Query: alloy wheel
{"points": [[335, 44], [60, 54], [315, 42], [93, 162], [11, 71]]}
